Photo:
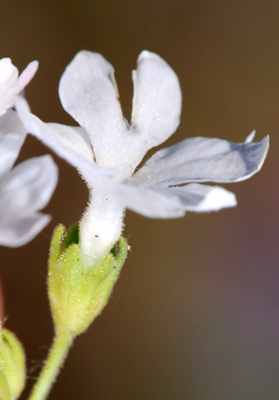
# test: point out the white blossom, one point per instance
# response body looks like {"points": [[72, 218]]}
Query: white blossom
{"points": [[105, 139], [11, 84], [26, 188]]}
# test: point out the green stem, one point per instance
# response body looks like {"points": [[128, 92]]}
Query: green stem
{"points": [[52, 366]]}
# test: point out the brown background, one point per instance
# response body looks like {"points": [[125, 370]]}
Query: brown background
{"points": [[195, 314]]}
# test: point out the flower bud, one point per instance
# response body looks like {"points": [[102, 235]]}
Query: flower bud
{"points": [[12, 366], [78, 295]]}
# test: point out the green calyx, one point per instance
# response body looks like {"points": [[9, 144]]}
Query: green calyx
{"points": [[12, 366], [78, 295]]}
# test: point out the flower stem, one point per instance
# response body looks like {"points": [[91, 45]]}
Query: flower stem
{"points": [[52, 366]]}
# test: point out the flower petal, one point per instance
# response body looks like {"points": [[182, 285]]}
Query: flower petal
{"points": [[10, 84], [23, 191], [89, 94], [19, 230], [26, 76], [202, 160], [58, 142], [202, 198], [8, 73], [74, 138], [8, 78], [28, 187], [157, 100], [148, 202], [12, 136], [174, 202]]}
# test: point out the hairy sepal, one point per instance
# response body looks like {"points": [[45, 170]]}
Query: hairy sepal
{"points": [[78, 295]]}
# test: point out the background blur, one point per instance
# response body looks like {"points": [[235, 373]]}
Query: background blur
{"points": [[195, 314]]}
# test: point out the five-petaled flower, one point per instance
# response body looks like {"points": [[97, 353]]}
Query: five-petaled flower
{"points": [[27, 188], [106, 150]]}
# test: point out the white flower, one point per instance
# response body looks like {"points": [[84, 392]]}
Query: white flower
{"points": [[11, 84], [89, 94], [27, 188]]}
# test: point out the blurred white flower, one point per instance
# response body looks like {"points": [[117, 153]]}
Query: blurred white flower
{"points": [[27, 188], [89, 94], [11, 84]]}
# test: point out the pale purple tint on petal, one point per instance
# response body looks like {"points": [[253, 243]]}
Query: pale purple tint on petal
{"points": [[23, 192], [16, 232], [174, 202], [12, 136], [28, 187], [201, 198], [26, 76], [202, 160]]}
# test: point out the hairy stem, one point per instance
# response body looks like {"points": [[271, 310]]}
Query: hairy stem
{"points": [[52, 367]]}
